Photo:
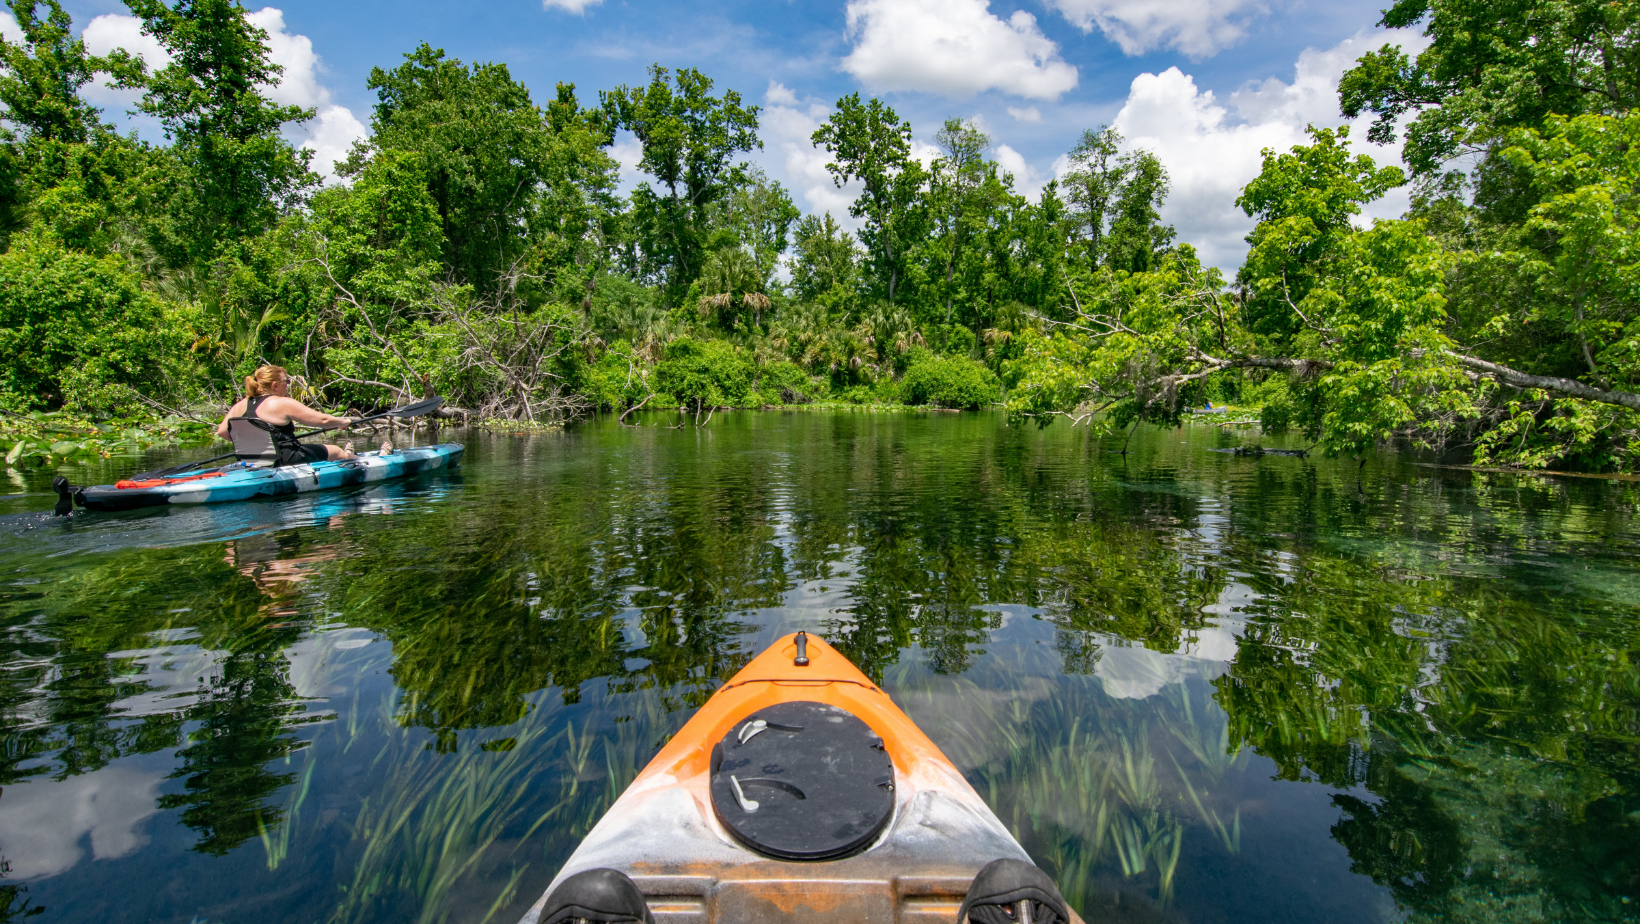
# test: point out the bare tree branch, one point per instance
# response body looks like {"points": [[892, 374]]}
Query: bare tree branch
{"points": [[1569, 387]]}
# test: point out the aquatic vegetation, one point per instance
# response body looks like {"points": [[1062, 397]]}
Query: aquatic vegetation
{"points": [[1160, 671], [1086, 788], [443, 822], [44, 438]]}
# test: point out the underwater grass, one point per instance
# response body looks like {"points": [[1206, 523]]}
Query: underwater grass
{"points": [[440, 822], [1093, 790], [451, 836]]}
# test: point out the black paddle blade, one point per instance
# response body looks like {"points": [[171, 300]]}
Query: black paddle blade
{"points": [[65, 496], [424, 406]]}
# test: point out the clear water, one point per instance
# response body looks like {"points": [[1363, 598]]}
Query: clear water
{"points": [[1198, 687]]}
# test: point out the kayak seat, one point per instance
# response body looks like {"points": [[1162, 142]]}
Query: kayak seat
{"points": [[252, 439], [1009, 891], [606, 896]]}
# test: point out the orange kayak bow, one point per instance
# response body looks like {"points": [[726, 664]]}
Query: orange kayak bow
{"points": [[798, 792]]}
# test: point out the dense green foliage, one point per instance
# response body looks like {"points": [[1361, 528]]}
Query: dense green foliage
{"points": [[1497, 320], [950, 381], [478, 241], [704, 374], [74, 328]]}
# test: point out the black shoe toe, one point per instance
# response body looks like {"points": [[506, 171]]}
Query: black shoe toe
{"points": [[999, 888], [607, 896]]}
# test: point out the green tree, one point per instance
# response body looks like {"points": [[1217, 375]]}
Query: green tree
{"points": [[1557, 312], [870, 143], [758, 216], [733, 277], [1358, 317], [78, 330], [1136, 345], [825, 258], [42, 75], [503, 175], [362, 268], [690, 139], [951, 381], [1032, 262], [576, 224], [65, 169], [1304, 202], [1492, 66], [1114, 202], [1505, 112], [956, 194], [238, 172], [703, 375]]}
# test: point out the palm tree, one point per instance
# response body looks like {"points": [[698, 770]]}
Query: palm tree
{"points": [[890, 331], [730, 273]]}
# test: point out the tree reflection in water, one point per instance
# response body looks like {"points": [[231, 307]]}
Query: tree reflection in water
{"points": [[417, 715]]}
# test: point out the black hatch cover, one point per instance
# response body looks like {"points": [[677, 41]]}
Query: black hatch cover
{"points": [[803, 781]]}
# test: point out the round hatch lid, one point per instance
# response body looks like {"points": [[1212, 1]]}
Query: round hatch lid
{"points": [[802, 781]]}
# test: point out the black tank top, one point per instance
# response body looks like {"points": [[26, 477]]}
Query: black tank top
{"points": [[288, 450], [288, 428]]}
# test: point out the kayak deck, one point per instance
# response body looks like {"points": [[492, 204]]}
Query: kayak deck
{"points": [[663, 831], [245, 481]]}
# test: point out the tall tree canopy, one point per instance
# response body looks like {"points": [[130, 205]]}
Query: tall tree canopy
{"points": [[690, 140], [1115, 199], [1494, 65], [238, 173], [870, 143], [503, 174]]}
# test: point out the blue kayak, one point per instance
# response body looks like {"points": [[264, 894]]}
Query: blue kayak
{"points": [[247, 480]]}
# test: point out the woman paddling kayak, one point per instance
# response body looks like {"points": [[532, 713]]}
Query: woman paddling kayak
{"points": [[271, 461], [267, 406]]}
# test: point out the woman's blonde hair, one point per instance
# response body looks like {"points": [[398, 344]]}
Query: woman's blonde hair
{"points": [[261, 381]]}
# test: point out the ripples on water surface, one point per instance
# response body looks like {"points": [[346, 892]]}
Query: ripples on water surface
{"points": [[1198, 687]]}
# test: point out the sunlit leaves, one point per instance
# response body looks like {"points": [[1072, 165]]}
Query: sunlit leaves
{"points": [[79, 330], [1493, 66], [870, 143], [240, 171], [690, 139], [1304, 201]]}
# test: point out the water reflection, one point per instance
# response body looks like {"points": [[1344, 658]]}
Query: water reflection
{"points": [[1196, 685]]}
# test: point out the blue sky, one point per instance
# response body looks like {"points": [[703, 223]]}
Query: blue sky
{"points": [[1204, 83]]}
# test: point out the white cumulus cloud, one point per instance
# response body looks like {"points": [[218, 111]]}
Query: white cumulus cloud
{"points": [[1027, 181], [1198, 28], [787, 123], [954, 47], [46, 822], [299, 84], [108, 32], [329, 134], [1211, 150], [1028, 114], [574, 6], [628, 153]]}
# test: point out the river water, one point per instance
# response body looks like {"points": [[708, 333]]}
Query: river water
{"points": [[1197, 686]]}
